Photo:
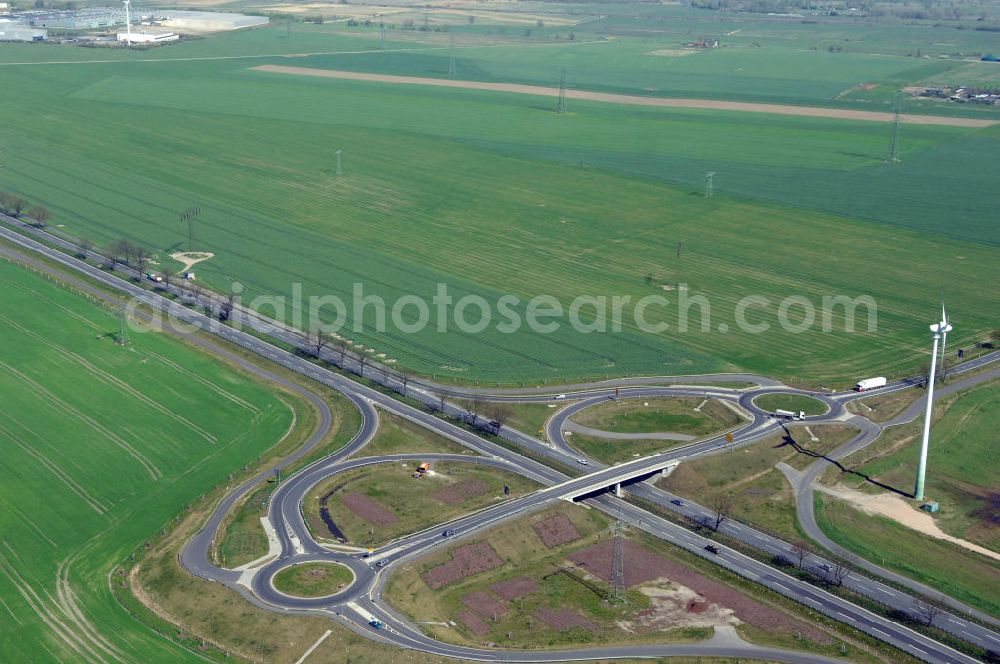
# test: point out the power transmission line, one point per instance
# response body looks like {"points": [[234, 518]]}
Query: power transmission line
{"points": [[561, 107], [618, 566], [451, 56], [709, 184], [893, 156]]}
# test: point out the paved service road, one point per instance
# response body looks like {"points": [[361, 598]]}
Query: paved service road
{"points": [[297, 544]]}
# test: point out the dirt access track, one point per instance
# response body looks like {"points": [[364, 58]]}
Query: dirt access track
{"points": [[711, 104]]}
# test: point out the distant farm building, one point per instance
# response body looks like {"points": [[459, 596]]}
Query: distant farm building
{"points": [[703, 43]]}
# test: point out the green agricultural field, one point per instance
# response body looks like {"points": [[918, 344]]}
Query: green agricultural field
{"points": [[495, 194], [101, 446]]}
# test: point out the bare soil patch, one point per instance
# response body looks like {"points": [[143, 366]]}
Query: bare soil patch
{"points": [[515, 588], [643, 566], [556, 530], [674, 606], [465, 561], [368, 509], [485, 604], [672, 52], [473, 622], [707, 104], [893, 507], [458, 493], [191, 258], [564, 619]]}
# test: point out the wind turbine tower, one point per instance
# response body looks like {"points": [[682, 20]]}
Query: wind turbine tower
{"points": [[938, 330], [128, 22]]}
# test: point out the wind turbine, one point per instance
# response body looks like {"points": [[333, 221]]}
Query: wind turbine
{"points": [[944, 338], [128, 22], [939, 331]]}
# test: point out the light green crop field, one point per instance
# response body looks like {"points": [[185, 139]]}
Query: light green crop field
{"points": [[100, 446], [493, 193]]}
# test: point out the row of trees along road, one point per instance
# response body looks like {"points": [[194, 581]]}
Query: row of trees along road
{"points": [[16, 206]]}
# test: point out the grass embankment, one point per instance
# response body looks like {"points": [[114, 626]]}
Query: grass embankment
{"points": [[410, 504], [666, 415], [529, 418], [960, 573], [961, 478], [397, 435], [792, 402], [102, 445], [313, 579], [759, 493], [527, 558]]}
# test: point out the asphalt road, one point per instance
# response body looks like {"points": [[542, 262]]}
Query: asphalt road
{"points": [[286, 507]]}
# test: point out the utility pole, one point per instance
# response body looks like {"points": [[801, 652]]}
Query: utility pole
{"points": [[338, 153], [188, 216], [122, 339], [618, 566], [381, 39], [451, 56], [709, 184], [937, 331], [561, 106], [893, 156], [677, 266]]}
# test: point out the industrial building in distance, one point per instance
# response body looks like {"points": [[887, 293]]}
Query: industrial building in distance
{"points": [[152, 26]]}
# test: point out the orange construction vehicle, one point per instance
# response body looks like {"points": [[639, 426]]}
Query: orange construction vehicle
{"points": [[421, 470]]}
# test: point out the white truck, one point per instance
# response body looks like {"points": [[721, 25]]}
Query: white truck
{"points": [[790, 414], [870, 383]]}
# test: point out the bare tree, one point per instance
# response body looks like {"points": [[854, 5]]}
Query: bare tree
{"points": [[839, 574], [362, 361], [473, 408], [167, 274], [4, 201], [499, 413], [86, 246], [440, 401], [925, 611], [404, 380], [723, 507], [800, 549], [40, 214], [16, 204], [340, 349], [318, 341], [226, 310], [141, 260]]}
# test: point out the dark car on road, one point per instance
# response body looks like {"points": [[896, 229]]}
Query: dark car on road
{"points": [[711, 548]]}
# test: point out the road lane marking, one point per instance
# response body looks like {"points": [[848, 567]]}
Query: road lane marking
{"points": [[314, 646]]}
